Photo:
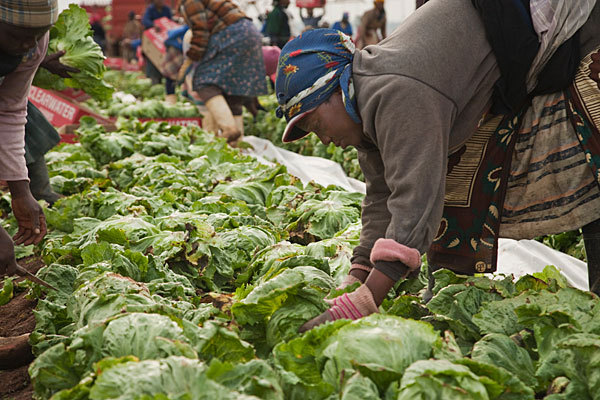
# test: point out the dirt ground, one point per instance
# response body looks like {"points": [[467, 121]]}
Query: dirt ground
{"points": [[17, 319]]}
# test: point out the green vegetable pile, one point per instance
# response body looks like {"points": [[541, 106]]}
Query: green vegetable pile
{"points": [[137, 97], [152, 108], [267, 126], [134, 83], [72, 33], [570, 243], [186, 268]]}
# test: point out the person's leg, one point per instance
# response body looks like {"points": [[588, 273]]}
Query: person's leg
{"points": [[236, 105], [216, 104], [39, 182], [591, 239], [171, 97], [152, 72]]}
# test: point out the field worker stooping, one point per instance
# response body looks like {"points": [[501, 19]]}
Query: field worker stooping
{"points": [[460, 139], [24, 26], [224, 59]]}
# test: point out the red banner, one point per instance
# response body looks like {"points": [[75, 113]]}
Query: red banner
{"points": [[192, 121], [58, 109]]}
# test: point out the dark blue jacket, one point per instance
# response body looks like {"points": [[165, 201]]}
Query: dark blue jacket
{"points": [[152, 13]]}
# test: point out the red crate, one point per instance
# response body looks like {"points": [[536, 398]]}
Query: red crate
{"points": [[60, 110], [310, 3]]}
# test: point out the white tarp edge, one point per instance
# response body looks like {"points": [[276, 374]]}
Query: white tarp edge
{"points": [[324, 172], [517, 257]]}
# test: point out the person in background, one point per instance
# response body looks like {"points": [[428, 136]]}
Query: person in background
{"points": [[132, 33], [157, 9], [470, 133], [24, 29], [99, 34], [173, 61], [344, 24], [372, 27], [311, 21], [224, 64], [277, 25]]}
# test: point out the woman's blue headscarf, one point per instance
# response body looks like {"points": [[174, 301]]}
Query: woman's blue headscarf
{"points": [[311, 67]]}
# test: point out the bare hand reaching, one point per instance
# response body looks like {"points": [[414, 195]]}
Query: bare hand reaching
{"points": [[52, 63], [29, 214]]}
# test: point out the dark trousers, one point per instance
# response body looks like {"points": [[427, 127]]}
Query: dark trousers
{"points": [[591, 239]]}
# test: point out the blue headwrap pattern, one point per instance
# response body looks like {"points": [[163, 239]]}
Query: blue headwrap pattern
{"points": [[310, 69]]}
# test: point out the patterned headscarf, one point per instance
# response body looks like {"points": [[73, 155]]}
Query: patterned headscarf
{"points": [[311, 68], [29, 13]]}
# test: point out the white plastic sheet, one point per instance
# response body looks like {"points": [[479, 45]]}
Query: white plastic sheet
{"points": [[520, 257], [324, 172], [517, 257]]}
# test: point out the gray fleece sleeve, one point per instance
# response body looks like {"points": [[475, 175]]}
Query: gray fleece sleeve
{"points": [[406, 177], [375, 214]]}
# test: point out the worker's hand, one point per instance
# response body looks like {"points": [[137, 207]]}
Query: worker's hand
{"points": [[51, 63], [187, 63], [595, 68], [8, 264], [316, 321], [29, 214]]}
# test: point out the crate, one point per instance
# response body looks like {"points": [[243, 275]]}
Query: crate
{"points": [[310, 3], [59, 109], [153, 41]]}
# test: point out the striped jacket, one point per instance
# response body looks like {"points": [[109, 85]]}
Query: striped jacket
{"points": [[206, 17]]}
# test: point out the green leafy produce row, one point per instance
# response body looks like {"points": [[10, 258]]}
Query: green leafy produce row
{"points": [[152, 108], [134, 83], [138, 98], [186, 268], [267, 126]]}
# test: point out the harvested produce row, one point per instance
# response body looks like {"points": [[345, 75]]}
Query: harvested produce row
{"points": [[185, 270]]}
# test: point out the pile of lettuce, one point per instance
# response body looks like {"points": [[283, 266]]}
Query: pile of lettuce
{"points": [[134, 83], [137, 97], [152, 108], [185, 269], [72, 33]]}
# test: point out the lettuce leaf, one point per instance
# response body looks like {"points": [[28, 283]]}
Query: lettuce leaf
{"points": [[172, 377], [441, 379], [72, 34], [7, 291]]}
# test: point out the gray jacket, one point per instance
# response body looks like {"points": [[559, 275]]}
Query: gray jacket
{"points": [[421, 93]]}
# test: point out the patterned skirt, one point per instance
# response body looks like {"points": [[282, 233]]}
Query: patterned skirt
{"points": [[532, 175], [233, 62]]}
